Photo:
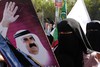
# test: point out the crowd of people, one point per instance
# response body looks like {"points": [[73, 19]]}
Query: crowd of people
{"points": [[72, 42]]}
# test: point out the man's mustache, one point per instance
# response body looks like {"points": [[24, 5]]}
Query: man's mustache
{"points": [[32, 44]]}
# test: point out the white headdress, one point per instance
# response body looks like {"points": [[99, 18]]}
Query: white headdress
{"points": [[42, 57]]}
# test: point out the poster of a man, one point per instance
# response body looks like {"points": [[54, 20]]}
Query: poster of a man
{"points": [[20, 19], [30, 44]]}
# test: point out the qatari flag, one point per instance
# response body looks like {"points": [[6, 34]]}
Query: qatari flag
{"points": [[27, 35]]}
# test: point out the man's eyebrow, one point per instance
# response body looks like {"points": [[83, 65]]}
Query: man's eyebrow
{"points": [[32, 37]]}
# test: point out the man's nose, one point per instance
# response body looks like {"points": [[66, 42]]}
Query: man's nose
{"points": [[31, 41]]}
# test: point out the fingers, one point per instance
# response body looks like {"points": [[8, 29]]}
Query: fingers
{"points": [[15, 18], [15, 10], [9, 12], [6, 5], [12, 6], [9, 5]]}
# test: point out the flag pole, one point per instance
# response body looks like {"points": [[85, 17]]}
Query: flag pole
{"points": [[58, 5], [56, 15], [54, 33]]}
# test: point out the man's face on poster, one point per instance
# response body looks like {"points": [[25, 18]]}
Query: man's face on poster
{"points": [[31, 44]]}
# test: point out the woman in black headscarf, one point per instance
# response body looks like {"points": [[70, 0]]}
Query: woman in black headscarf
{"points": [[72, 44], [93, 34]]}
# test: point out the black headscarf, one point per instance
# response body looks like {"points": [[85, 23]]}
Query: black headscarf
{"points": [[93, 34], [72, 44]]}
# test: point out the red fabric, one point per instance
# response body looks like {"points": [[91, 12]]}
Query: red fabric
{"points": [[54, 44], [58, 4]]}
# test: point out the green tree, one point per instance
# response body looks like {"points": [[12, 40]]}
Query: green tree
{"points": [[93, 7], [70, 4], [45, 8], [49, 9]]}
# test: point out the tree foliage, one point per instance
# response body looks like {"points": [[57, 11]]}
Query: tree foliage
{"points": [[93, 7], [47, 8], [70, 4]]}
